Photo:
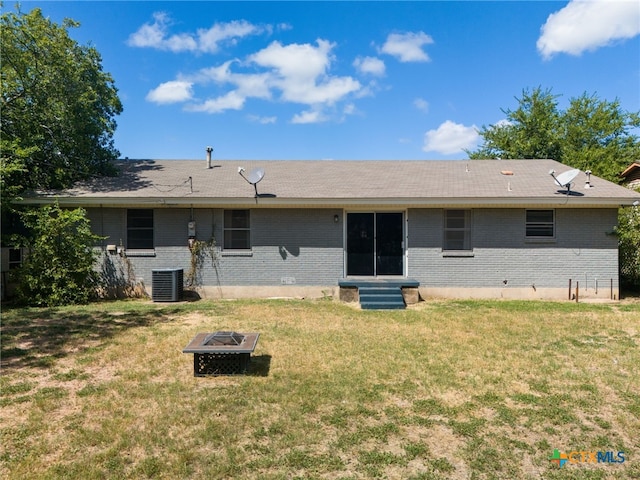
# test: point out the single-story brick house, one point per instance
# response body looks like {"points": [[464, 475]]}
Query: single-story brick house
{"points": [[490, 228]]}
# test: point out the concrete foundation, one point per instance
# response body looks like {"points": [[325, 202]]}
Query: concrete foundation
{"points": [[412, 295], [515, 293], [349, 294], [287, 291]]}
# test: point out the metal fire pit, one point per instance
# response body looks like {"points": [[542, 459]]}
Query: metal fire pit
{"points": [[221, 353]]}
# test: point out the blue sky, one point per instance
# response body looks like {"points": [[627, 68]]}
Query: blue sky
{"points": [[346, 80]]}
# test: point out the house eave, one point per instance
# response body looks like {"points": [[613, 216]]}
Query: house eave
{"points": [[629, 169], [557, 201]]}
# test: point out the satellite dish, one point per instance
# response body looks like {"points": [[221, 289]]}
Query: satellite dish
{"points": [[565, 178], [253, 178], [255, 175]]}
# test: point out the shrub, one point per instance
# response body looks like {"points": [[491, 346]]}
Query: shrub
{"points": [[58, 267], [629, 240]]}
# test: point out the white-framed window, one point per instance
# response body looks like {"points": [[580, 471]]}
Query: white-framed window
{"points": [[457, 230], [540, 224], [140, 229], [237, 230]]}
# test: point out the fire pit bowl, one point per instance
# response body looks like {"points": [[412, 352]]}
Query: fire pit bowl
{"points": [[224, 338], [221, 353]]}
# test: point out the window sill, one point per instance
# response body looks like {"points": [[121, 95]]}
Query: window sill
{"points": [[236, 253], [458, 253], [540, 240], [140, 252]]}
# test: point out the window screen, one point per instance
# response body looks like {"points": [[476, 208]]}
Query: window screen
{"points": [[237, 231], [540, 223], [457, 230], [140, 229]]}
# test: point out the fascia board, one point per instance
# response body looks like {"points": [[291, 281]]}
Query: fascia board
{"points": [[261, 202]]}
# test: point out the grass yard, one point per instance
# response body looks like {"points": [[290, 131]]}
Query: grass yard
{"points": [[443, 390]]}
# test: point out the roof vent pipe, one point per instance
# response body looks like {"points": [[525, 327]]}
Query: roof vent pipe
{"points": [[209, 150], [588, 182]]}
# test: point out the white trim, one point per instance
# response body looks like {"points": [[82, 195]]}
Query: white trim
{"points": [[344, 243], [140, 252], [236, 253], [405, 244]]}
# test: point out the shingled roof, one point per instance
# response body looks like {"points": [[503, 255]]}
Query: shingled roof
{"points": [[341, 183]]}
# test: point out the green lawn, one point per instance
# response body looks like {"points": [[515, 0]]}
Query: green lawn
{"points": [[445, 389]]}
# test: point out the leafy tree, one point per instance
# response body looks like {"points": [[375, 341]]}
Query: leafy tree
{"points": [[596, 137], [533, 130], [591, 134], [58, 268], [58, 108], [629, 236], [57, 104]]}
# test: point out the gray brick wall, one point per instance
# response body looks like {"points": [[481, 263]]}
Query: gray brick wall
{"points": [[295, 245], [584, 250], [305, 247], [291, 246]]}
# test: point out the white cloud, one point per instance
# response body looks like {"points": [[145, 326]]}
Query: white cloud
{"points": [[230, 101], [450, 138], [421, 104], [309, 116], [247, 84], [370, 89], [349, 109], [179, 43], [407, 47], [150, 34], [370, 65], [156, 35], [283, 27], [295, 60], [329, 91], [587, 25], [171, 92], [299, 71], [262, 120], [502, 123], [209, 39], [219, 74], [296, 73]]}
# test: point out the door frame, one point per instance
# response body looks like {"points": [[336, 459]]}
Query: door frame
{"points": [[405, 228]]}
